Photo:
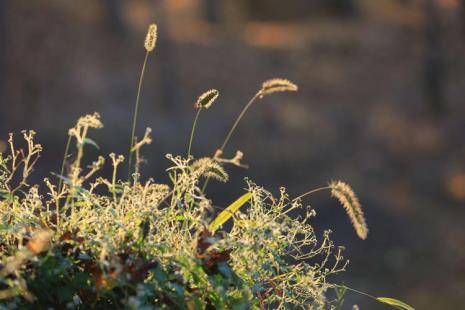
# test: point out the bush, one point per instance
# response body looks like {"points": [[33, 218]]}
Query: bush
{"points": [[86, 241]]}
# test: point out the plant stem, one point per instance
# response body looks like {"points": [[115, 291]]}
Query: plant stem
{"points": [[60, 183], [62, 171], [134, 117], [233, 128], [311, 192], [193, 131], [357, 291]]}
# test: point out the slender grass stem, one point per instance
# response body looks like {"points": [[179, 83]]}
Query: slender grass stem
{"points": [[241, 115], [311, 192], [233, 128], [194, 125], [60, 182], [113, 182], [357, 291], [134, 117], [63, 164]]}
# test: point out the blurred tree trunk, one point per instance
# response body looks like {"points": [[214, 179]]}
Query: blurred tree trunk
{"points": [[434, 63], [462, 10], [168, 63], [3, 111], [115, 16], [343, 7], [212, 10]]}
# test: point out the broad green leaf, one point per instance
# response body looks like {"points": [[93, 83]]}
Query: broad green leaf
{"points": [[91, 142], [81, 204], [8, 293], [340, 293], [227, 213], [395, 303], [65, 179], [5, 195]]}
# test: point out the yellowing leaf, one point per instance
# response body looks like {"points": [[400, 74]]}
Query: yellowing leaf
{"points": [[227, 213], [395, 303]]}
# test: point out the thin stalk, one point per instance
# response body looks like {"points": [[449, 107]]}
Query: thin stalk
{"points": [[357, 291], [311, 192], [193, 131], [233, 128], [113, 182], [60, 182], [62, 171], [134, 117]]}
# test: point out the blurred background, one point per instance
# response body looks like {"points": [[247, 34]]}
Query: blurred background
{"points": [[381, 105]]}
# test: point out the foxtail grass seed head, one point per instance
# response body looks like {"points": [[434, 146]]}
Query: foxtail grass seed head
{"points": [[346, 196], [277, 85], [206, 100], [209, 168], [151, 38]]}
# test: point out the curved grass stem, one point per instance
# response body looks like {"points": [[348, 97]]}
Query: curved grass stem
{"points": [[311, 192], [233, 128], [194, 125], [238, 119], [134, 117], [60, 182], [62, 170], [356, 291]]}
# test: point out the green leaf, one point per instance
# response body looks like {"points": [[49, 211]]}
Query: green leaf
{"points": [[91, 142], [227, 213], [395, 303], [5, 195], [340, 293]]}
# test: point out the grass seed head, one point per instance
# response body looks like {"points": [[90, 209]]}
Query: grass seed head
{"points": [[151, 38], [206, 100], [277, 85], [209, 168], [346, 196]]}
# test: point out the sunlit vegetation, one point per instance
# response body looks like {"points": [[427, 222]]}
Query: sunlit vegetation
{"points": [[83, 240]]}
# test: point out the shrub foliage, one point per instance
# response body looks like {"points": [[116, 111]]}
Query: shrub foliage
{"points": [[81, 240]]}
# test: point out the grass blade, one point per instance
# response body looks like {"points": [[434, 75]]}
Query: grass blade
{"points": [[227, 213], [395, 303]]}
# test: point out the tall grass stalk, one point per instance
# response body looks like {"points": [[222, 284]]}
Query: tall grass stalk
{"points": [[233, 128], [241, 115], [205, 101], [63, 164], [61, 176], [149, 45], [311, 192], [134, 116], [194, 125]]}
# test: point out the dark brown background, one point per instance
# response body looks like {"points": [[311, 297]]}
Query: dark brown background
{"points": [[381, 105]]}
